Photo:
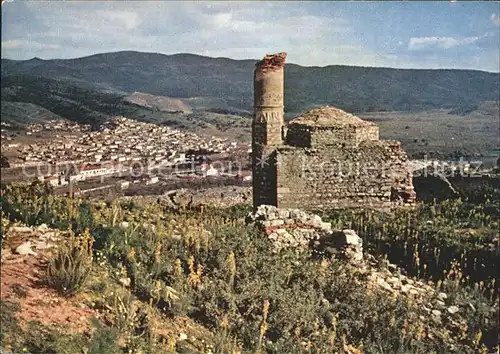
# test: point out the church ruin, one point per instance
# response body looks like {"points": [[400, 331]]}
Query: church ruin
{"points": [[325, 158]]}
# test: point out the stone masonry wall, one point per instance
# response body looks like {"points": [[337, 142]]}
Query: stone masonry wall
{"points": [[321, 137], [264, 177], [367, 133], [372, 175], [300, 135]]}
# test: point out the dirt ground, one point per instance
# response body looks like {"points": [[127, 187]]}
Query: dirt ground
{"points": [[21, 283], [21, 279]]}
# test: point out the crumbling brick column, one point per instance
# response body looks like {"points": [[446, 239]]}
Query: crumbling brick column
{"points": [[269, 99], [267, 126]]}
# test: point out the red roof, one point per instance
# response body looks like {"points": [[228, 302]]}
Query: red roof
{"points": [[89, 167]]}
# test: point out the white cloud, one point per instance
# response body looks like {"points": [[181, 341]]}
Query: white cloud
{"points": [[222, 20], [238, 30], [126, 19], [27, 44], [234, 29], [418, 43], [495, 19]]}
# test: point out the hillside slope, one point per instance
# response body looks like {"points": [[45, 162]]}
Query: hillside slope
{"points": [[159, 103], [20, 113], [355, 89], [68, 100]]}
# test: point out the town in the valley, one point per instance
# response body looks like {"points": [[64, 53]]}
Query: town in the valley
{"points": [[122, 154], [128, 157]]}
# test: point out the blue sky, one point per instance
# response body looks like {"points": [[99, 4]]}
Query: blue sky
{"points": [[445, 34]]}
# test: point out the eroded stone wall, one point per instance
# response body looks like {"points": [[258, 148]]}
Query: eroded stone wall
{"points": [[372, 175], [367, 133], [301, 135], [265, 177], [294, 227]]}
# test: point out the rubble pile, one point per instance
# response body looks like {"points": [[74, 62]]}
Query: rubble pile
{"points": [[294, 227], [28, 241]]}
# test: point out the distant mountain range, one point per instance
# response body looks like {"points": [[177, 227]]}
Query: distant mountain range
{"points": [[90, 88]]}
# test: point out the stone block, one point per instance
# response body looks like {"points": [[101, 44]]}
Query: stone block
{"points": [[283, 214], [295, 213], [273, 236], [316, 221], [265, 223], [20, 229], [326, 226], [277, 222]]}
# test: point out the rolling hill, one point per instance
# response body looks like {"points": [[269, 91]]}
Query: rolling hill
{"points": [[355, 89], [21, 113], [159, 103]]}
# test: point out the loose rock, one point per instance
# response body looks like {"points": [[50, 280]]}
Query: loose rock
{"points": [[383, 284], [25, 249], [125, 282], [42, 245], [442, 296], [436, 313], [42, 227], [20, 229]]}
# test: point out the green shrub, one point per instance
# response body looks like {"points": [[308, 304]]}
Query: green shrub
{"points": [[224, 342], [104, 339], [38, 338], [69, 270], [9, 325]]}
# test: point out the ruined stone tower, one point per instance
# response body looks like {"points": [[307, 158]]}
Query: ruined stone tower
{"points": [[327, 159], [267, 126]]}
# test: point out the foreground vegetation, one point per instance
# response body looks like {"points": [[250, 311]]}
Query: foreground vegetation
{"points": [[152, 266], [438, 241]]}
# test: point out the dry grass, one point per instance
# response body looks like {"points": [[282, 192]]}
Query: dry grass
{"points": [[438, 131]]}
